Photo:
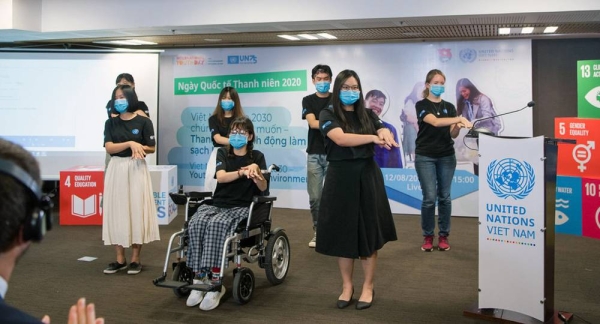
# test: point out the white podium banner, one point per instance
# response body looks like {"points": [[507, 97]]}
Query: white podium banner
{"points": [[164, 181], [511, 230]]}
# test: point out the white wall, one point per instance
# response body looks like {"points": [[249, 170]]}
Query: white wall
{"points": [[68, 15]]}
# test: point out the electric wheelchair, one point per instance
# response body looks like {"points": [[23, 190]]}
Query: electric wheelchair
{"points": [[253, 241]]}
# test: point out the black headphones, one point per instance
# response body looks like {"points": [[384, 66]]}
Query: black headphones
{"points": [[40, 220]]}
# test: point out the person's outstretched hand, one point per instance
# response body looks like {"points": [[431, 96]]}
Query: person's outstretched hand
{"points": [[80, 314]]}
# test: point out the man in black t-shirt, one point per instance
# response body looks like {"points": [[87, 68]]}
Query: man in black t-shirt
{"points": [[316, 161]]}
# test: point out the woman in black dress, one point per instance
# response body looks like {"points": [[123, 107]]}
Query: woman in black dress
{"points": [[355, 219]]}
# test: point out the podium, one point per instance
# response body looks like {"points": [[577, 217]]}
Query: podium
{"points": [[164, 181], [517, 190]]}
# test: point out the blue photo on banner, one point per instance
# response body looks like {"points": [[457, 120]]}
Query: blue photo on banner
{"points": [[403, 186], [568, 205]]}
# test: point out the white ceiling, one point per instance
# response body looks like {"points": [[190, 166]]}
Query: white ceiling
{"points": [[61, 22]]}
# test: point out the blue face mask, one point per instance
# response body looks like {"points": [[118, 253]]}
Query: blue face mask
{"points": [[121, 105], [437, 89], [237, 140], [323, 86], [227, 105], [349, 97]]}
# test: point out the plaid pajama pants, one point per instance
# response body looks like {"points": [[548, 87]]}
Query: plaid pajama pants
{"points": [[207, 230]]}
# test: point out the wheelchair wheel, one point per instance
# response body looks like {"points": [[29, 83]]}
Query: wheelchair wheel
{"points": [[277, 257], [243, 285], [184, 274]]}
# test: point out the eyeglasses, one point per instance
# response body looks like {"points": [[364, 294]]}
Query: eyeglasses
{"points": [[238, 131], [346, 87]]}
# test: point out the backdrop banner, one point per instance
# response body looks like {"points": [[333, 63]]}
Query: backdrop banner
{"points": [[484, 78]]}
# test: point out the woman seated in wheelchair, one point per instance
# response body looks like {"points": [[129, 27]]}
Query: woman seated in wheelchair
{"points": [[239, 178]]}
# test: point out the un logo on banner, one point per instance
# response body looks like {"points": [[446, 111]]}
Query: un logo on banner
{"points": [[510, 178], [468, 55]]}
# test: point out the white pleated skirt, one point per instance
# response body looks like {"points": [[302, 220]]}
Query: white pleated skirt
{"points": [[129, 209]]}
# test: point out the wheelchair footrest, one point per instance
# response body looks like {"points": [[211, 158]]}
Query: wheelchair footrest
{"points": [[181, 284], [171, 284]]}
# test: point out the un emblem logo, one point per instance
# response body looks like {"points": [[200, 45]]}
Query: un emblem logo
{"points": [[468, 55], [510, 178]]}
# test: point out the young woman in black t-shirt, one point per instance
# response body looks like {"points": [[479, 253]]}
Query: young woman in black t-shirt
{"points": [[129, 212], [140, 108], [435, 161], [355, 219], [228, 108], [239, 179]]}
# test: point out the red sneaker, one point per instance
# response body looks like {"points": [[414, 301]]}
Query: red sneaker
{"points": [[427, 243], [443, 244]]}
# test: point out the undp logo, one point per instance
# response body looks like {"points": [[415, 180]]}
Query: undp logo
{"points": [[510, 178], [468, 55]]}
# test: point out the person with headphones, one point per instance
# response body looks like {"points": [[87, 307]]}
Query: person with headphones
{"points": [[25, 217]]}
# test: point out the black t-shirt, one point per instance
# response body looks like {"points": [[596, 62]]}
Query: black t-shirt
{"points": [[218, 128], [434, 141], [141, 106], [327, 122], [313, 104], [139, 129], [237, 193]]}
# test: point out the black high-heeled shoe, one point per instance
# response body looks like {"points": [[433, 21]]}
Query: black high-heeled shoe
{"points": [[364, 305], [344, 303]]}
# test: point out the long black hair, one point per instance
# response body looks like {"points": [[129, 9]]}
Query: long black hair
{"points": [[473, 93], [237, 111], [366, 125]]}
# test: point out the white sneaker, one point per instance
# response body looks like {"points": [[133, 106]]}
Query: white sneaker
{"points": [[195, 296], [313, 242], [212, 299]]}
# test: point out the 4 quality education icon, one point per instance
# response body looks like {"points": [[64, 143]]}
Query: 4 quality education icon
{"points": [[510, 178]]}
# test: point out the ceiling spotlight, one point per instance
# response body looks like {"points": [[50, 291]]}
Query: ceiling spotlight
{"points": [[504, 31], [550, 29], [526, 30], [307, 36], [327, 36], [289, 37], [212, 39]]}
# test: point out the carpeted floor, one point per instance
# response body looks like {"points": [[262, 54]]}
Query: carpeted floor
{"points": [[412, 286]]}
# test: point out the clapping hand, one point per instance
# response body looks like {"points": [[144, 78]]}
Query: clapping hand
{"points": [[80, 314]]}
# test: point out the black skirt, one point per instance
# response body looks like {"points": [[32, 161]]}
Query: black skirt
{"points": [[355, 218]]}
